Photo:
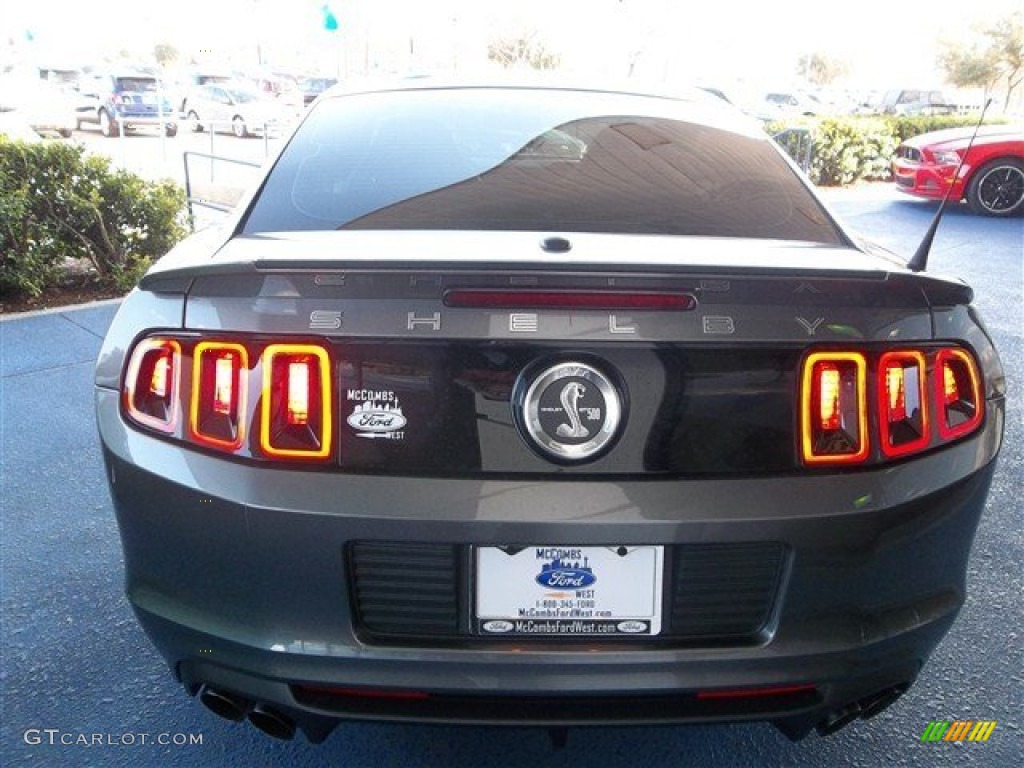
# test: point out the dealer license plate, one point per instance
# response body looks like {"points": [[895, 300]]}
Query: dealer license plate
{"points": [[563, 590]]}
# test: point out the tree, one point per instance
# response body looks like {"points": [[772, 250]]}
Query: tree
{"points": [[969, 67], [997, 54], [1007, 48], [165, 54], [522, 50], [820, 69]]}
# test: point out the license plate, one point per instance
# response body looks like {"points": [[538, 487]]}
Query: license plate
{"points": [[563, 590]]}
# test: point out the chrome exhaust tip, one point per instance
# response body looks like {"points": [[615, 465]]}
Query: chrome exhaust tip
{"points": [[224, 704], [272, 722]]}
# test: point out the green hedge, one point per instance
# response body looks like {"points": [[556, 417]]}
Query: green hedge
{"points": [[57, 203], [845, 150]]}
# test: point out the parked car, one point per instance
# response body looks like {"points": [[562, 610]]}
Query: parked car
{"points": [[913, 102], [992, 177], [311, 87], [43, 105], [126, 101], [543, 406], [794, 103], [189, 81], [224, 107], [15, 126]]}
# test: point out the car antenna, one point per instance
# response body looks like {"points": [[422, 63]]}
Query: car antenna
{"points": [[919, 261]]}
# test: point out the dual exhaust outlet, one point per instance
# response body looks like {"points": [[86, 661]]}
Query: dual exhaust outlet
{"points": [[236, 709], [864, 709]]}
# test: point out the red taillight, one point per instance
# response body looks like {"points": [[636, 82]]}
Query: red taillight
{"points": [[834, 408], [151, 384], [296, 411], [958, 392], [217, 412], [902, 403], [920, 399]]}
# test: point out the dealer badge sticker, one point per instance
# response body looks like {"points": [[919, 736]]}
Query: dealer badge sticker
{"points": [[571, 412]]}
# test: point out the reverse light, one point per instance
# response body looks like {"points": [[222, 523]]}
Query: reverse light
{"points": [[298, 393], [151, 384], [296, 402], [217, 411], [958, 393], [903, 403], [834, 426]]}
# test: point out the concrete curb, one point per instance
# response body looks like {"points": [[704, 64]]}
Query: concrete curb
{"points": [[56, 310]]}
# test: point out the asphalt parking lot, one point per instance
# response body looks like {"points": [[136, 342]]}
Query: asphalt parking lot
{"points": [[82, 686]]}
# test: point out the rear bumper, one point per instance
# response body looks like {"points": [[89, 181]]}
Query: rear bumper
{"points": [[145, 118], [238, 575]]}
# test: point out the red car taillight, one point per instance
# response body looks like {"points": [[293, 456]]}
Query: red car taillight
{"points": [[290, 416], [958, 392], [296, 411], [152, 382], [833, 410], [219, 387], [837, 412], [903, 403]]}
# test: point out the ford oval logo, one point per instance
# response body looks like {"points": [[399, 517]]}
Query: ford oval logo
{"points": [[566, 578], [499, 626], [374, 420], [632, 627]]}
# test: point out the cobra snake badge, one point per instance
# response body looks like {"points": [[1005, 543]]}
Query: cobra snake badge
{"points": [[571, 394]]}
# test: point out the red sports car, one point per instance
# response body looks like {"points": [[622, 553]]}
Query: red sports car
{"points": [[992, 176]]}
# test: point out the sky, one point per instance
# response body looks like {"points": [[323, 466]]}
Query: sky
{"points": [[884, 44]]}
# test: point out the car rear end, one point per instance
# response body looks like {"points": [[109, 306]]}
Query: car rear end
{"points": [[140, 101], [499, 475]]}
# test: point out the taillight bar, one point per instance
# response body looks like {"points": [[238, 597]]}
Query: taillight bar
{"points": [[281, 394], [296, 412], [904, 417], [957, 393], [152, 382], [833, 408], [217, 412], [921, 398]]}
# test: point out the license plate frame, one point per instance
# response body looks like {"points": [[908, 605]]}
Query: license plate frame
{"points": [[567, 591]]}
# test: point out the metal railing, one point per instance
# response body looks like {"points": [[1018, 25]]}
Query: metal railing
{"points": [[210, 127], [208, 201], [798, 144]]}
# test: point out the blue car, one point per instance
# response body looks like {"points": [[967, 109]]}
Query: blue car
{"points": [[124, 102]]}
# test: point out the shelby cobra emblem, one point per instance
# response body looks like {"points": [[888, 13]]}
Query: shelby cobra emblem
{"points": [[571, 412]]}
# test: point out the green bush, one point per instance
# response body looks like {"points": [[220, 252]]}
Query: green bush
{"points": [[904, 128], [57, 203], [846, 150]]}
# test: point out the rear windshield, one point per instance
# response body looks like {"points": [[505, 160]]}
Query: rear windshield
{"points": [[136, 84], [560, 161]]}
